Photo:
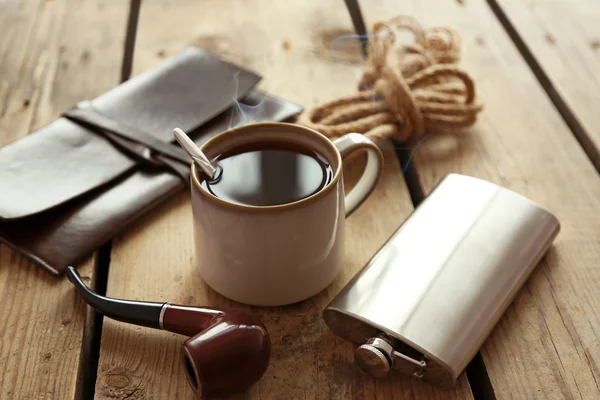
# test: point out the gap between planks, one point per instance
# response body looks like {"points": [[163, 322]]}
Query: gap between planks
{"points": [[87, 370], [92, 331], [561, 105], [476, 372], [403, 153], [130, 35]]}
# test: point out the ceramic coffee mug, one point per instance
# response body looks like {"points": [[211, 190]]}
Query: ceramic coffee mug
{"points": [[281, 254]]}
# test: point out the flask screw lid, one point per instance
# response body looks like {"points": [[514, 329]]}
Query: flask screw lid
{"points": [[372, 361], [378, 356]]}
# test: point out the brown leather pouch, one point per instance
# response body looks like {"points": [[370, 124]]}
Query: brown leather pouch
{"points": [[72, 185]]}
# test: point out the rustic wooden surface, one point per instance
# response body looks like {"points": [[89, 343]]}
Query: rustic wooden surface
{"points": [[292, 45], [563, 36], [547, 345], [49, 51], [55, 53]]}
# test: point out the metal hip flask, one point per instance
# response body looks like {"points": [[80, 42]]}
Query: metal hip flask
{"points": [[425, 303]]}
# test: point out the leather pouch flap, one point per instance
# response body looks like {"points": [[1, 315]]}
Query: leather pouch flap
{"points": [[66, 159]]}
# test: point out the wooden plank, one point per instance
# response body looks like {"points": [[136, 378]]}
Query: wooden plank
{"points": [[292, 45], [563, 39], [52, 54], [547, 345]]}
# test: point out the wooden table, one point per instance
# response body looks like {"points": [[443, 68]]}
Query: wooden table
{"points": [[536, 66]]}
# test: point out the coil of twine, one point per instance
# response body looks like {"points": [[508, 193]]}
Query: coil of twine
{"points": [[405, 89]]}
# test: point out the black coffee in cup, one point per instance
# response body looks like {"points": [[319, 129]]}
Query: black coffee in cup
{"points": [[268, 174]]}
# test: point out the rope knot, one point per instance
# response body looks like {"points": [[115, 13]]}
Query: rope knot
{"points": [[405, 88]]}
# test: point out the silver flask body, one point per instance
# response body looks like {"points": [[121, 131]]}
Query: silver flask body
{"points": [[429, 298]]}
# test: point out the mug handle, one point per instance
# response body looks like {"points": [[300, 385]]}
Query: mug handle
{"points": [[347, 145]]}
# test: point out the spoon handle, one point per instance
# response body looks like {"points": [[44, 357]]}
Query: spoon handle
{"points": [[194, 151]]}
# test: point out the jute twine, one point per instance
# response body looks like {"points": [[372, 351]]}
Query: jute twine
{"points": [[405, 89]]}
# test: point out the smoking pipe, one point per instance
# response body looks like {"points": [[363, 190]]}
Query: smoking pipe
{"points": [[228, 351]]}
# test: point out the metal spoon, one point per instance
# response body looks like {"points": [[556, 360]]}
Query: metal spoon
{"points": [[194, 151]]}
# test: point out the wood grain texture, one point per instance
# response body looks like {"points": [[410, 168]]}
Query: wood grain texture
{"points": [[547, 345], [303, 52], [563, 36], [52, 54]]}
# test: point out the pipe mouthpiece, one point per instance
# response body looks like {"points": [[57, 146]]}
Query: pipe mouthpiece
{"points": [[75, 279], [143, 313]]}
